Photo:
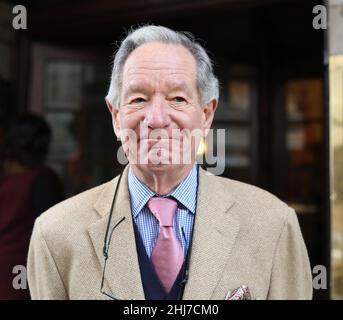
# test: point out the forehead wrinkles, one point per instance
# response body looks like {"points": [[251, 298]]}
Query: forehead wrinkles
{"points": [[169, 75], [148, 65]]}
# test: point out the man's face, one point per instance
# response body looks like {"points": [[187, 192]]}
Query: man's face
{"points": [[159, 99]]}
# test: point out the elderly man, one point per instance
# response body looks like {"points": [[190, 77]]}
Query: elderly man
{"points": [[166, 229]]}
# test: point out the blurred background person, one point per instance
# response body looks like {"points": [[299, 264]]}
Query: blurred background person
{"points": [[27, 188]]}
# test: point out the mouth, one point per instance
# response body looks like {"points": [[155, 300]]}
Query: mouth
{"points": [[158, 143]]}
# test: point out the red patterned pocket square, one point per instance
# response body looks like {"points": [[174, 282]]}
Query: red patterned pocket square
{"points": [[240, 293]]}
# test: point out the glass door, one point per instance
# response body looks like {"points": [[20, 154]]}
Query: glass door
{"points": [[69, 91], [298, 159]]}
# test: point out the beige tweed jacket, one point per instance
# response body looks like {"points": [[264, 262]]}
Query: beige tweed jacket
{"points": [[242, 236]]}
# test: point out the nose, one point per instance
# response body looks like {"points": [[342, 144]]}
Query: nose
{"points": [[157, 114]]}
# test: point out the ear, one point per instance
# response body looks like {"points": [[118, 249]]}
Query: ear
{"points": [[207, 115], [115, 118]]}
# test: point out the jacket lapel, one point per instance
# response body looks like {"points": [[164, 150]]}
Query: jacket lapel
{"points": [[122, 276], [215, 232]]}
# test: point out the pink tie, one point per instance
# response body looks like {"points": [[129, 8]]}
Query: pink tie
{"points": [[167, 255]]}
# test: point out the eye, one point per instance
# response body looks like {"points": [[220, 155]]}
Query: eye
{"points": [[138, 100], [179, 100]]}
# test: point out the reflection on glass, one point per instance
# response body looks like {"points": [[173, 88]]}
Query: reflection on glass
{"points": [[301, 136], [236, 101], [239, 94], [304, 99], [64, 141], [236, 145], [63, 85], [336, 175]]}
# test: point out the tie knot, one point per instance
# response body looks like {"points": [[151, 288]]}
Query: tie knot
{"points": [[163, 209]]}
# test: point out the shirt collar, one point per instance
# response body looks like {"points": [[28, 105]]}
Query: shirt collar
{"points": [[185, 192]]}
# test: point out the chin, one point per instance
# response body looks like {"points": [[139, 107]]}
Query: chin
{"points": [[159, 168]]}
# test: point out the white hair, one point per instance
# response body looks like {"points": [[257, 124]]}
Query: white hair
{"points": [[207, 82]]}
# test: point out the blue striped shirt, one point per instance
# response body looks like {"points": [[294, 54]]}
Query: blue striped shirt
{"points": [[147, 223]]}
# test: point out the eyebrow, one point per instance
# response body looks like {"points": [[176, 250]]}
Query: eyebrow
{"points": [[145, 87]]}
